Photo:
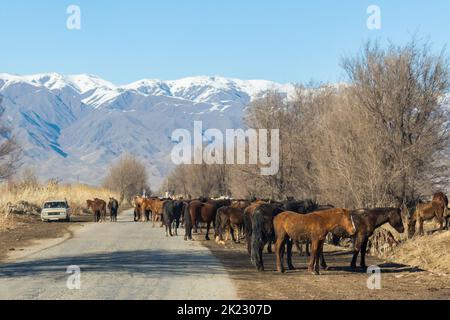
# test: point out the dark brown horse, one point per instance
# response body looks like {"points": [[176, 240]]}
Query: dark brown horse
{"points": [[196, 212], [291, 226], [437, 208], [98, 207], [229, 218], [367, 221], [248, 213]]}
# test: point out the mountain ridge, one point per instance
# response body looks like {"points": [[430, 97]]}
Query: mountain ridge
{"points": [[74, 126]]}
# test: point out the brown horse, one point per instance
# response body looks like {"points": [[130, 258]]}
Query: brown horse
{"points": [[98, 207], [196, 212], [367, 221], [157, 209], [138, 205], [291, 227], [229, 217], [437, 208]]}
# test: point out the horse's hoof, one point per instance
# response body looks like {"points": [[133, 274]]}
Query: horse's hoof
{"points": [[291, 268], [222, 242]]}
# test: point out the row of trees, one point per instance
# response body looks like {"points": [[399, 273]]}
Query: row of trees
{"points": [[10, 151], [379, 139]]}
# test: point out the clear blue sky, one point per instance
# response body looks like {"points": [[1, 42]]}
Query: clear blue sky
{"points": [[283, 40]]}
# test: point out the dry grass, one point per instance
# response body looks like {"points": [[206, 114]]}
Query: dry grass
{"points": [[427, 252], [37, 194]]}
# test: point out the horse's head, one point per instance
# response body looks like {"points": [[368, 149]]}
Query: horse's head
{"points": [[396, 221], [349, 223]]}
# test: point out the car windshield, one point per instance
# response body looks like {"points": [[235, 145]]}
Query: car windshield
{"points": [[55, 205]]}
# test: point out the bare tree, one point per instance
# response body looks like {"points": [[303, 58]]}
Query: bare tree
{"points": [[10, 151], [401, 89], [128, 177]]}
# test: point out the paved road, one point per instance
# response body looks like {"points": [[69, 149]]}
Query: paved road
{"points": [[119, 261]]}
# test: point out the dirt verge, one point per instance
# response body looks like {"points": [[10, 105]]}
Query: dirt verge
{"points": [[398, 281], [28, 229]]}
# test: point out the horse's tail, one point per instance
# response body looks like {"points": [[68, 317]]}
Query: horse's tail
{"points": [[218, 221], [257, 237]]}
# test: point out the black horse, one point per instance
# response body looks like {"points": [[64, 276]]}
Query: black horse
{"points": [[262, 231], [113, 207], [172, 212]]}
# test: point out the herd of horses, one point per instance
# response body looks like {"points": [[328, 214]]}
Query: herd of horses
{"points": [[285, 224]]}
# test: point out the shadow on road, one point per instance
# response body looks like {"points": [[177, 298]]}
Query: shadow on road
{"points": [[147, 261]]}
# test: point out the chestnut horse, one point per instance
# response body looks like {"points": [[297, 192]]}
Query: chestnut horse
{"points": [[437, 208], [229, 218], [291, 226], [98, 207]]}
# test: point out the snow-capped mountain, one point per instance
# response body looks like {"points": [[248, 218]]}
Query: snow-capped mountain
{"points": [[74, 127]]}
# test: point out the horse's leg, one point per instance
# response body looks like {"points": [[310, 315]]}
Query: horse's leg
{"points": [[170, 229], [323, 263], [289, 244], [357, 242], [177, 224], [441, 222], [237, 232], [194, 224], [279, 252], [308, 245], [363, 253], [319, 256], [208, 225], [313, 258], [260, 257], [269, 247], [299, 248]]}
